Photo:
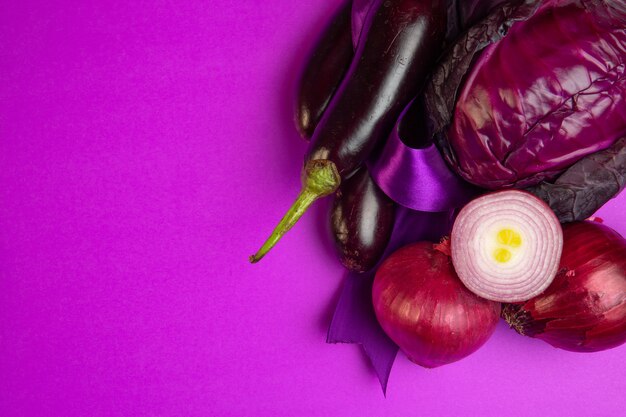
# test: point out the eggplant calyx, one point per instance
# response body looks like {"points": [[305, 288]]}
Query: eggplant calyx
{"points": [[320, 178]]}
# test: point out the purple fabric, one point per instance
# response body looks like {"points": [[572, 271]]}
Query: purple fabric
{"points": [[354, 320], [360, 8], [418, 179]]}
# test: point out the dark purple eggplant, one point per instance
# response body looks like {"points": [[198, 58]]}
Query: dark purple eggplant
{"points": [[400, 41], [587, 185], [324, 71], [362, 217], [362, 220]]}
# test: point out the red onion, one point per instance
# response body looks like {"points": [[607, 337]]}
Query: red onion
{"points": [[506, 246], [584, 310], [424, 308]]}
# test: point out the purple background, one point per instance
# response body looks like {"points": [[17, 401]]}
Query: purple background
{"points": [[146, 149]]}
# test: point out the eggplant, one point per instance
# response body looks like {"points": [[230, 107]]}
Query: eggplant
{"points": [[362, 219], [587, 185], [324, 71], [399, 42], [362, 216]]}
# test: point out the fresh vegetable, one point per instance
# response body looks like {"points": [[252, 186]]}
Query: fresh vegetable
{"points": [[324, 71], [424, 308], [531, 90], [362, 216], [506, 246], [584, 310], [400, 40], [362, 220], [587, 185]]}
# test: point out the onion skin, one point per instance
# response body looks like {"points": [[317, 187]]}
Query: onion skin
{"points": [[424, 308], [584, 309]]}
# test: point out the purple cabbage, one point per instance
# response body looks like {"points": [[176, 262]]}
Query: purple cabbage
{"points": [[530, 90]]}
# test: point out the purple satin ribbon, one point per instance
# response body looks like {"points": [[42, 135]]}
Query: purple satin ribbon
{"points": [[418, 179], [360, 8], [354, 321]]}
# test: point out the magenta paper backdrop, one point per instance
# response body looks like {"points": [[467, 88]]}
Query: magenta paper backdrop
{"points": [[146, 149]]}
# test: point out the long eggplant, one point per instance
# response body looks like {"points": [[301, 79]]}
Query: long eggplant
{"points": [[400, 41], [323, 71]]}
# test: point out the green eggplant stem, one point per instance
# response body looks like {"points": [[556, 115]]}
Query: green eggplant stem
{"points": [[320, 178]]}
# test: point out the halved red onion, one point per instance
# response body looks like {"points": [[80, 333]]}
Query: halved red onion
{"points": [[506, 246]]}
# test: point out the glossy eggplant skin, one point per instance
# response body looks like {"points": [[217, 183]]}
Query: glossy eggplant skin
{"points": [[362, 220], [323, 71], [401, 40]]}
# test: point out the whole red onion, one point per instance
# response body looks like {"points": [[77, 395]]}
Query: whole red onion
{"points": [[584, 309], [424, 308]]}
